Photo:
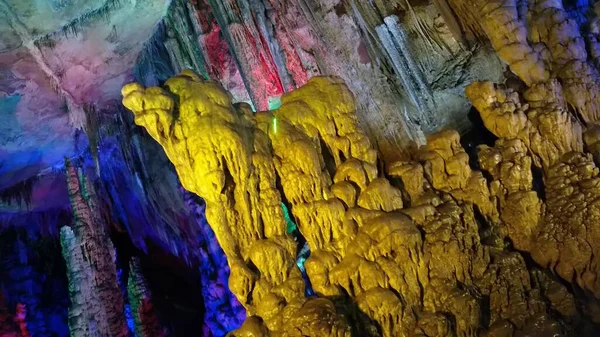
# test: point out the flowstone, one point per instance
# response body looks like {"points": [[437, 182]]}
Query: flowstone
{"points": [[424, 249]]}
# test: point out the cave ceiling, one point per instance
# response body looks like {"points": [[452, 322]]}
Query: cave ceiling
{"points": [[58, 58]]}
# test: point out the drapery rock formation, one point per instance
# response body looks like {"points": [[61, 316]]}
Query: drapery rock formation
{"points": [[424, 249]]}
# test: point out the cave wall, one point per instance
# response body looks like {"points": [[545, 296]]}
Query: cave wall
{"points": [[403, 63]]}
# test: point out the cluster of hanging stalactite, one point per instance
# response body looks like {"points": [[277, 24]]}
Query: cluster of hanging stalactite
{"points": [[260, 49]]}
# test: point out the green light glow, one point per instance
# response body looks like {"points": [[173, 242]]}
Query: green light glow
{"points": [[274, 124], [291, 226]]}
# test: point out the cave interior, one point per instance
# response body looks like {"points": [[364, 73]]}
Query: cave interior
{"points": [[299, 168]]}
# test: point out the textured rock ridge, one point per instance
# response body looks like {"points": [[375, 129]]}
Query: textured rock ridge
{"points": [[431, 247], [549, 120]]}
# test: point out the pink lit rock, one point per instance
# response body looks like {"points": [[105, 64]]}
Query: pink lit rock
{"points": [[55, 57]]}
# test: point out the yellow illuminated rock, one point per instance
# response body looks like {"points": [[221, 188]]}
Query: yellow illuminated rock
{"points": [[432, 251]]}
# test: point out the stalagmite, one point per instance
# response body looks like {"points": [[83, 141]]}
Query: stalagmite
{"points": [[146, 323], [96, 300]]}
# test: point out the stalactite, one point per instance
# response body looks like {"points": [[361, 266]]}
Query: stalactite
{"points": [[73, 28], [415, 85], [335, 41], [270, 35], [255, 63], [19, 194], [96, 300], [144, 315], [451, 20], [154, 65], [143, 190], [183, 38], [92, 132]]}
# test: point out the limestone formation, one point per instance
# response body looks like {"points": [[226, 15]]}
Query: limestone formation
{"points": [[424, 249], [237, 179], [97, 306], [548, 118], [146, 322]]}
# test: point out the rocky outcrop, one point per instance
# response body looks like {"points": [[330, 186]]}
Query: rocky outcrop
{"points": [[544, 121]]}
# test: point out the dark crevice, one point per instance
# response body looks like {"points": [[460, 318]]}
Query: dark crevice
{"points": [[176, 295], [342, 156], [452, 320], [538, 182], [229, 184], [484, 228], [363, 325], [582, 324], [302, 247], [399, 184], [486, 315], [576, 114], [328, 158], [477, 135], [340, 9]]}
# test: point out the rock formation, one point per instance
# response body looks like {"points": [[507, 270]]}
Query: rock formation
{"points": [[431, 247], [96, 299], [146, 323]]}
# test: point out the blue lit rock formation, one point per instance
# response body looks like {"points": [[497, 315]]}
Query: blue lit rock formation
{"points": [[224, 312], [71, 55], [33, 289]]}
